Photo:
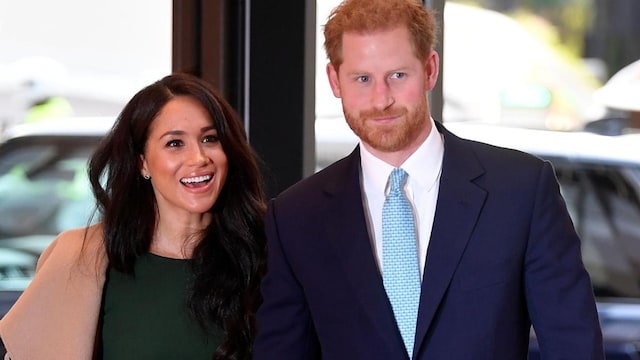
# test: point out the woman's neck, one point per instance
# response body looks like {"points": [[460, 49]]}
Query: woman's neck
{"points": [[177, 238]]}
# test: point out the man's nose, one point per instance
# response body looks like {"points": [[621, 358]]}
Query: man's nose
{"points": [[382, 97]]}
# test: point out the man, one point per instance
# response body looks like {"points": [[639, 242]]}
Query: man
{"points": [[495, 252]]}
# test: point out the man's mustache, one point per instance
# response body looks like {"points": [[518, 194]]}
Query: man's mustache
{"points": [[386, 113]]}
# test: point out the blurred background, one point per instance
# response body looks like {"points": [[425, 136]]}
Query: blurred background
{"points": [[527, 63], [545, 58], [81, 58]]}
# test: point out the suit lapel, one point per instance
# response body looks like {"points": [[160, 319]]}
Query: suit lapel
{"points": [[347, 232], [458, 207]]}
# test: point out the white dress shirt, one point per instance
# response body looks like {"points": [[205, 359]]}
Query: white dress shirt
{"points": [[421, 189]]}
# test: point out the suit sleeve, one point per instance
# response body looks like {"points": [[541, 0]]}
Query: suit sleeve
{"points": [[285, 326], [559, 293]]}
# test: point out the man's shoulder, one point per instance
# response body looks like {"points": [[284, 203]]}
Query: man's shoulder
{"points": [[490, 153]]}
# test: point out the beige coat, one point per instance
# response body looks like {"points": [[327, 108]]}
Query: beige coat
{"points": [[57, 315]]}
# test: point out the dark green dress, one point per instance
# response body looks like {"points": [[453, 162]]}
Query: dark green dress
{"points": [[146, 317]]}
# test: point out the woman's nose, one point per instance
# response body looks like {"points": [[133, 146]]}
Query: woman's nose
{"points": [[198, 155]]}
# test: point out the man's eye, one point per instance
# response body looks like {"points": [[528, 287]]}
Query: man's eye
{"points": [[363, 78], [398, 75]]}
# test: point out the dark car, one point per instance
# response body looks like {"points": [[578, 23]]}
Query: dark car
{"points": [[44, 190], [599, 178]]}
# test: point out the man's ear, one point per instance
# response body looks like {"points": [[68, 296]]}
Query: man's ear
{"points": [[431, 69], [334, 81]]}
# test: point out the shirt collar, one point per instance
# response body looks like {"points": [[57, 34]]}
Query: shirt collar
{"points": [[423, 166]]}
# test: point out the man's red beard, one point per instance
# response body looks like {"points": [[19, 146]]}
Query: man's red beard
{"points": [[388, 137]]}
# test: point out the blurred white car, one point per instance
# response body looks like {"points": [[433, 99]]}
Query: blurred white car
{"points": [[44, 189]]}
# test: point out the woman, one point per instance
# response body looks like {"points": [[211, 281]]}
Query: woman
{"points": [[172, 269]]}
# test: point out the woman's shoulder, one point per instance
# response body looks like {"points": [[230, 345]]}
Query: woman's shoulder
{"points": [[62, 302], [75, 242], [92, 232]]}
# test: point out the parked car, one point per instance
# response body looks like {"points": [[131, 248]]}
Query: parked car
{"points": [[599, 178], [44, 190]]}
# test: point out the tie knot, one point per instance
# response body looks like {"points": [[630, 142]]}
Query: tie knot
{"points": [[397, 179]]}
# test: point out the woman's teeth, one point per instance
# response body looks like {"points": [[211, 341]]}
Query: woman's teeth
{"points": [[196, 179]]}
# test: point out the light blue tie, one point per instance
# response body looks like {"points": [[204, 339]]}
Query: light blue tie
{"points": [[400, 271]]}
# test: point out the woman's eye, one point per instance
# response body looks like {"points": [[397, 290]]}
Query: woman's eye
{"points": [[210, 139], [174, 143]]}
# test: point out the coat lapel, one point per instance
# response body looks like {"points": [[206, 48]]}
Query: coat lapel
{"points": [[347, 232], [459, 204]]}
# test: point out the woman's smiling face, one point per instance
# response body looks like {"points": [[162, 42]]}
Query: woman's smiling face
{"points": [[184, 158]]}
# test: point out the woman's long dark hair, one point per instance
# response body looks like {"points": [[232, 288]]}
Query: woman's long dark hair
{"points": [[229, 260]]}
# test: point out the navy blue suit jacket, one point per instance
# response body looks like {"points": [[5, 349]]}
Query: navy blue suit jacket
{"points": [[503, 255]]}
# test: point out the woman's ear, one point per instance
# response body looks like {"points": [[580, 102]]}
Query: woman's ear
{"points": [[142, 164]]}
